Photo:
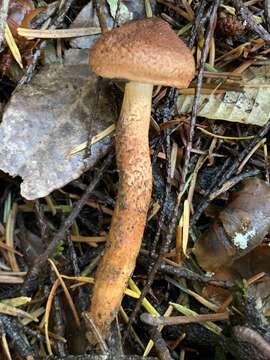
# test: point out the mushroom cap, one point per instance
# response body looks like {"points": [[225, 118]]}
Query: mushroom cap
{"points": [[145, 51]]}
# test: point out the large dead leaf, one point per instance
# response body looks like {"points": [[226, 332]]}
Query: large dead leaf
{"points": [[49, 117], [255, 263], [249, 106]]}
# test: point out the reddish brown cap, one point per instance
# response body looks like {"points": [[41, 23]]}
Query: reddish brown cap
{"points": [[145, 51]]}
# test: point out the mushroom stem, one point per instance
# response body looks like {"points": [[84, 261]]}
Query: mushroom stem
{"points": [[130, 212]]}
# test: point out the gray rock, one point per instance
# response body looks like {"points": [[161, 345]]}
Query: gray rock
{"points": [[87, 17], [49, 117]]}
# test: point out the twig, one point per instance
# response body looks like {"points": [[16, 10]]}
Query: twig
{"points": [[195, 109], [160, 344], [247, 16], [182, 272], [228, 170], [31, 68], [82, 301], [93, 334], [166, 113], [145, 290], [60, 17], [58, 320], [200, 16], [15, 333], [42, 222], [254, 338], [33, 274], [245, 160], [232, 182], [179, 320]]}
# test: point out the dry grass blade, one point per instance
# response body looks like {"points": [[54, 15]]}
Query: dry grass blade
{"points": [[173, 159], [13, 46], [10, 236], [89, 240], [133, 333], [208, 304], [94, 331], [179, 241], [36, 314], [188, 312], [146, 304], [191, 190], [245, 160], [8, 248], [57, 34], [19, 301], [148, 8], [47, 314], [67, 294], [9, 279], [83, 279], [186, 214], [225, 137], [13, 311], [94, 140], [5, 347]]}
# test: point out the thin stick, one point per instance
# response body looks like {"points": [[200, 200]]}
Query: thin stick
{"points": [[228, 170], [67, 294], [33, 273], [195, 109], [179, 320], [160, 344]]}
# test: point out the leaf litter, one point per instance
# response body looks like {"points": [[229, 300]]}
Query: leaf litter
{"points": [[195, 165]]}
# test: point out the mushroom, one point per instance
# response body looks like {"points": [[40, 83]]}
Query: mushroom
{"points": [[146, 53]]}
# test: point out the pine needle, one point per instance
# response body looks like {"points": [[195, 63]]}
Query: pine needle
{"points": [[47, 315], [13, 46], [93, 141], [67, 294]]}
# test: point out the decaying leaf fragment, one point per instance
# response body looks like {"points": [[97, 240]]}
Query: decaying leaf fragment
{"points": [[249, 106], [238, 229], [62, 107]]}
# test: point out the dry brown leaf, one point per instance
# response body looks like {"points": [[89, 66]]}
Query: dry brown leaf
{"points": [[249, 106]]}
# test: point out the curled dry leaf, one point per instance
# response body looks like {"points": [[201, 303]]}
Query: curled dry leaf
{"points": [[46, 119], [238, 229], [249, 106]]}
